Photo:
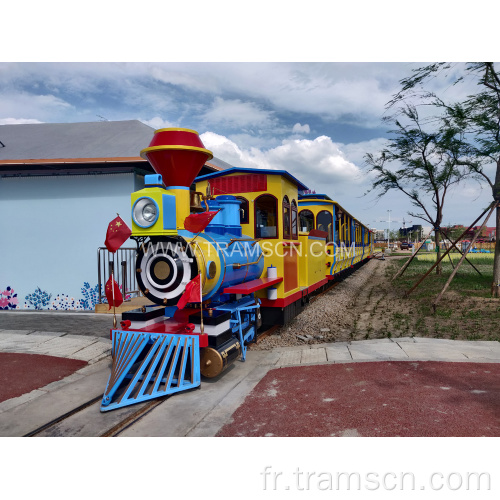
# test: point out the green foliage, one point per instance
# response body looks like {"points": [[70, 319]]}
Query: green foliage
{"points": [[463, 135], [423, 160]]}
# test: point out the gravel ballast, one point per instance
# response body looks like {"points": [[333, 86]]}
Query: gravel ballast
{"points": [[328, 318]]}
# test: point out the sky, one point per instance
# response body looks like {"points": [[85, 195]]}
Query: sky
{"points": [[316, 120]]}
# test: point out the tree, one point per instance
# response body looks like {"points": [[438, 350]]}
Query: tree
{"points": [[394, 235], [453, 232], [479, 118], [423, 161]]}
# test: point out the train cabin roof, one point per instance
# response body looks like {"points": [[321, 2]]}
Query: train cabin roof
{"points": [[237, 170], [323, 199], [314, 197]]}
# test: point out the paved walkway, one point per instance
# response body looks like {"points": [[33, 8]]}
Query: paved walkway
{"points": [[199, 412], [85, 348], [399, 349], [67, 322], [387, 398]]}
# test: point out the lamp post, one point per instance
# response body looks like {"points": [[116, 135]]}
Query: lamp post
{"points": [[389, 230]]}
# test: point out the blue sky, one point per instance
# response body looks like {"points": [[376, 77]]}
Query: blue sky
{"points": [[314, 119]]}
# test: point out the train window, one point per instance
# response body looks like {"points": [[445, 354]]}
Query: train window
{"points": [[347, 231], [337, 232], [295, 229], [325, 223], [339, 227], [306, 220], [286, 218], [266, 216], [338, 224], [244, 214]]}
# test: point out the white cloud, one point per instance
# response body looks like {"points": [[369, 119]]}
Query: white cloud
{"points": [[301, 129], [17, 121], [180, 77], [236, 113], [355, 92], [42, 107], [318, 163], [356, 151], [158, 123]]}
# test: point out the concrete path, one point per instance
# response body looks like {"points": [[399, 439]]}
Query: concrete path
{"points": [[64, 322], [200, 412], [399, 349], [86, 348]]}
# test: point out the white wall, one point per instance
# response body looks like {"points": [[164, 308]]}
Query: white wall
{"points": [[51, 227]]}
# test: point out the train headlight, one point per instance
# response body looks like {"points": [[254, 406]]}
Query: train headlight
{"points": [[145, 212]]}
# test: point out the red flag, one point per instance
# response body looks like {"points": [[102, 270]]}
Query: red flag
{"points": [[198, 222], [192, 293], [118, 233], [110, 285]]}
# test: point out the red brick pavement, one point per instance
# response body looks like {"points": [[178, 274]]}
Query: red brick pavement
{"points": [[22, 373], [373, 399]]}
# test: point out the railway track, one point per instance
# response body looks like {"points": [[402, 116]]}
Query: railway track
{"points": [[63, 425], [133, 415], [65, 416]]}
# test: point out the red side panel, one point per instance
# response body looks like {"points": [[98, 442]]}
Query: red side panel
{"points": [[318, 234], [253, 286], [249, 183]]}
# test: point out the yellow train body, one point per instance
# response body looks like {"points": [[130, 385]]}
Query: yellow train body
{"points": [[305, 259]]}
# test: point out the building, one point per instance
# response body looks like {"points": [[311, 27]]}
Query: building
{"points": [[488, 234], [412, 232], [60, 186], [416, 232], [380, 234]]}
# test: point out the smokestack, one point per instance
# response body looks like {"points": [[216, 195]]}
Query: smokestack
{"points": [[177, 154]]}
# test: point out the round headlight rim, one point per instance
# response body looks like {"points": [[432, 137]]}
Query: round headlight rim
{"points": [[136, 210]]}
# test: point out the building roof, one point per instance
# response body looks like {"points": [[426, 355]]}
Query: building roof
{"points": [[85, 140], [237, 170], [218, 164], [28, 149]]}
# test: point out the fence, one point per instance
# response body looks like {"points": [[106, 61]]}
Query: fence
{"points": [[122, 263]]}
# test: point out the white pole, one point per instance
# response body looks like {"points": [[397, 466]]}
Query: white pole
{"points": [[389, 232]]}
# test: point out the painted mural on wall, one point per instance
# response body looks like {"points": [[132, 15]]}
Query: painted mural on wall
{"points": [[42, 300], [8, 299]]}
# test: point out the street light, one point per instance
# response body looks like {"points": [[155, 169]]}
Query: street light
{"points": [[389, 230]]}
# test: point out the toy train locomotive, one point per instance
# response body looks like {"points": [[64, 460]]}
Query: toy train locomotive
{"points": [[260, 258]]}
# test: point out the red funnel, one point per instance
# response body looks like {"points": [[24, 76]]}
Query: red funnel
{"points": [[177, 154]]}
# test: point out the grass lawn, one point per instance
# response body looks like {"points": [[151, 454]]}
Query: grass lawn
{"points": [[466, 310]]}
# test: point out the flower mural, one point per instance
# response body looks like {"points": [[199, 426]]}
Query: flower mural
{"points": [[8, 299], [39, 299], [64, 302], [90, 296]]}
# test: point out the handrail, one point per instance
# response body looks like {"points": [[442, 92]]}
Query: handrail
{"points": [[238, 266], [124, 273]]}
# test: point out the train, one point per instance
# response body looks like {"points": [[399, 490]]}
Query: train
{"points": [[268, 246]]}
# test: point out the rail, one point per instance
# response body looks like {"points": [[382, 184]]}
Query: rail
{"points": [[122, 263]]}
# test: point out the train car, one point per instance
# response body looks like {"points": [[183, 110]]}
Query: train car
{"points": [[349, 242], [264, 250]]}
